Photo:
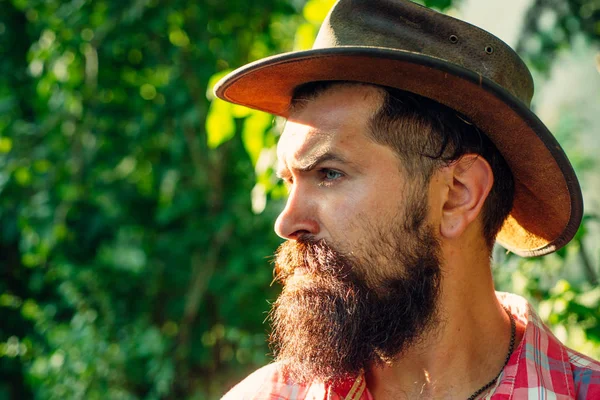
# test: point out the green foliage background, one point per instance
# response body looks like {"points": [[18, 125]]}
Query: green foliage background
{"points": [[136, 210]]}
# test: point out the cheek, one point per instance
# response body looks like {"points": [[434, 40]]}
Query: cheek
{"points": [[341, 214], [342, 208], [353, 217]]}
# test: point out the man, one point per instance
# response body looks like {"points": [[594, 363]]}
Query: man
{"points": [[409, 150]]}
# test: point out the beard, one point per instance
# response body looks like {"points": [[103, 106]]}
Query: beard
{"points": [[339, 314]]}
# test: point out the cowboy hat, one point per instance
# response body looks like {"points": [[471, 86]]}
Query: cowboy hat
{"points": [[401, 44]]}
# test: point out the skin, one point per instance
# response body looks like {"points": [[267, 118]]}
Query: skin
{"points": [[343, 186], [336, 176]]}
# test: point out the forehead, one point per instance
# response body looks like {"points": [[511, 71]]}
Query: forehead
{"points": [[337, 117]]}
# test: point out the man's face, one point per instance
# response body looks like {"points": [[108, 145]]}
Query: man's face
{"points": [[361, 267], [344, 187]]}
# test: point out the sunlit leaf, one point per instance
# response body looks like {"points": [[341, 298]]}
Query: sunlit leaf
{"points": [[305, 36], [590, 298], [254, 132], [315, 11], [220, 126], [5, 144], [179, 38]]}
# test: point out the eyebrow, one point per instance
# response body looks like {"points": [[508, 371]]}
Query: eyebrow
{"points": [[312, 163]]}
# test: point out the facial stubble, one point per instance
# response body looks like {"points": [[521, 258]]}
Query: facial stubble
{"points": [[331, 322]]}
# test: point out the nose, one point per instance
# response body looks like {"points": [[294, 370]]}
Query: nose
{"points": [[298, 218]]}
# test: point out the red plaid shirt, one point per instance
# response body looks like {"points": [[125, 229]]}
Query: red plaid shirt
{"points": [[540, 368]]}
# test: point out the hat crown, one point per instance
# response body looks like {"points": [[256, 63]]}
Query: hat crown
{"points": [[407, 26]]}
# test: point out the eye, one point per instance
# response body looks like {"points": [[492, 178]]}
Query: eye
{"points": [[330, 175]]}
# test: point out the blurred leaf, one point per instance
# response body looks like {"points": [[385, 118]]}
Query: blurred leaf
{"points": [[439, 4], [315, 11], [220, 126], [305, 36], [253, 134]]}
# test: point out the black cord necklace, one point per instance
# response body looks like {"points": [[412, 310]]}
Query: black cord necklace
{"points": [[511, 347]]}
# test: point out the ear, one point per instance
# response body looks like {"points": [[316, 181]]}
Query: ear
{"points": [[470, 182]]}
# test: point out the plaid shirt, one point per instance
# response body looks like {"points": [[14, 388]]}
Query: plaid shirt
{"points": [[540, 368]]}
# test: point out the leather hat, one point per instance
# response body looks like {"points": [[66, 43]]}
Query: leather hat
{"points": [[404, 45]]}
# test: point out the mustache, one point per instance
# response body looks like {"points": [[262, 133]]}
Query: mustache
{"points": [[316, 257]]}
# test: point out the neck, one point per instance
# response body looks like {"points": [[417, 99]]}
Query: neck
{"points": [[466, 349]]}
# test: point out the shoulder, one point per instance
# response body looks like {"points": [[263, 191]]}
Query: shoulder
{"points": [[266, 383], [545, 367], [586, 375], [256, 385]]}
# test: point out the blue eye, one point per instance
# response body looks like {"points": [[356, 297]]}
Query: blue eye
{"points": [[331, 174]]}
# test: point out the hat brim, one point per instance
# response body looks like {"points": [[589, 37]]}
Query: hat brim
{"points": [[548, 204]]}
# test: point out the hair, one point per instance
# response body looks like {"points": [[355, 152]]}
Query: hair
{"points": [[426, 136]]}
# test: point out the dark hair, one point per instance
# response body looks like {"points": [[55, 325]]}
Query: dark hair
{"points": [[427, 135]]}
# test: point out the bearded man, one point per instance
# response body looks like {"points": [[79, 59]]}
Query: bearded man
{"points": [[409, 150]]}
